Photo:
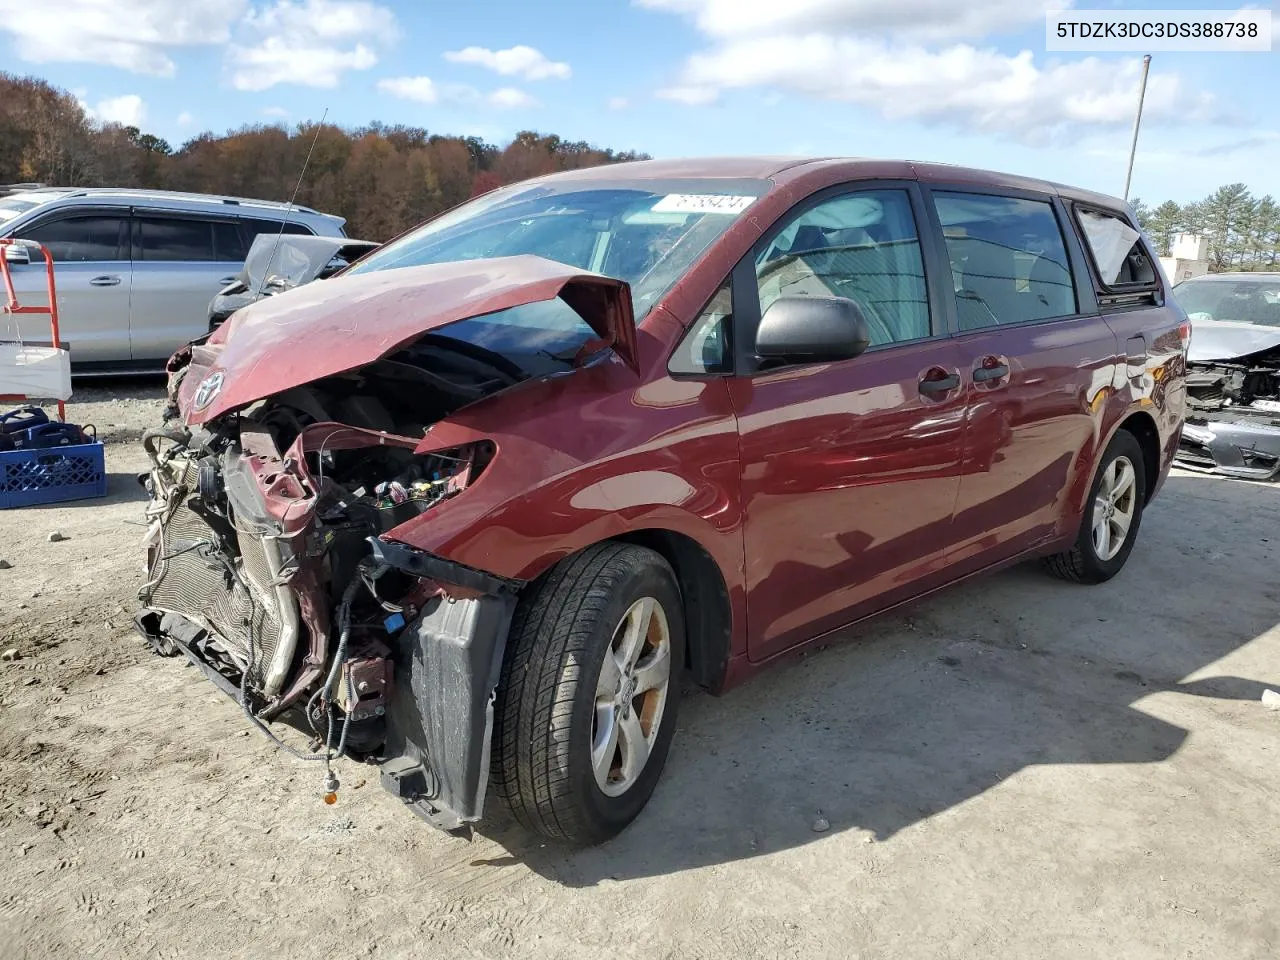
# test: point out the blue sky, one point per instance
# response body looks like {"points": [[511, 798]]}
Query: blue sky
{"points": [[966, 83]]}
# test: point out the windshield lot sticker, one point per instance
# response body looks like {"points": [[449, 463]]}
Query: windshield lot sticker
{"points": [[702, 203]]}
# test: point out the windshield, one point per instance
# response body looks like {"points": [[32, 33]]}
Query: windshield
{"points": [[1240, 301], [10, 207], [646, 232]]}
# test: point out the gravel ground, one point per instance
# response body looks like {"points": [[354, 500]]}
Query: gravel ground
{"points": [[1016, 767]]}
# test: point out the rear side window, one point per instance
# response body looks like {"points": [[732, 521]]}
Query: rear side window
{"points": [[80, 239], [228, 242], [1008, 259], [172, 238], [1117, 252], [255, 226]]}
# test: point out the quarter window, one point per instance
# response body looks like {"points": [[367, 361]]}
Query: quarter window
{"points": [[1117, 253], [706, 348], [1008, 259], [80, 239], [862, 246]]}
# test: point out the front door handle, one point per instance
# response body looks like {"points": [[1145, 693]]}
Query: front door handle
{"points": [[226, 281], [931, 387], [104, 281], [981, 374]]}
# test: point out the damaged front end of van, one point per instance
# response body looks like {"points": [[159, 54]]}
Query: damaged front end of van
{"points": [[308, 446]]}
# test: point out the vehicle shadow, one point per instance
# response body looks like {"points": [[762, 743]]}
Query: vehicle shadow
{"points": [[946, 698], [122, 487]]}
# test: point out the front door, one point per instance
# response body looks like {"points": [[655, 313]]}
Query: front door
{"points": [[92, 276], [1037, 368], [850, 470]]}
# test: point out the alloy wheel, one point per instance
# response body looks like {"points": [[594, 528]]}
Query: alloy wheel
{"points": [[1114, 507], [631, 694]]}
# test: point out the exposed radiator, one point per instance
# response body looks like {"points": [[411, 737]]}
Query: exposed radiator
{"points": [[193, 582]]}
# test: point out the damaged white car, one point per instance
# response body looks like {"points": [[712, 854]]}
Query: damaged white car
{"points": [[1233, 376]]}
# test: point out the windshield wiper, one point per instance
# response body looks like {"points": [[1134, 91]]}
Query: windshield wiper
{"points": [[507, 369]]}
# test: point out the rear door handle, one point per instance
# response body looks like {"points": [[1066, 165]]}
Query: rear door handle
{"points": [[932, 387], [981, 374], [226, 281], [104, 281]]}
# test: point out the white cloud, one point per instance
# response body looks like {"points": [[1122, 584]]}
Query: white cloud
{"points": [[137, 36], [308, 42], [959, 85], [692, 95], [522, 61], [618, 103], [128, 110], [276, 113], [510, 98], [937, 19], [910, 60], [426, 90], [419, 89], [185, 119], [325, 20]]}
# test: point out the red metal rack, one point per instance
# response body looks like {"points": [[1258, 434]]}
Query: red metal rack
{"points": [[13, 308]]}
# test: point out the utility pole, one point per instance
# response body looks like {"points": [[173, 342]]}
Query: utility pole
{"points": [[1137, 122]]}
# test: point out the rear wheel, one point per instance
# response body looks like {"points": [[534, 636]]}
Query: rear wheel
{"points": [[586, 707], [1111, 518]]}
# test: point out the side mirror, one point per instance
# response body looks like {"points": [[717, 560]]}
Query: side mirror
{"points": [[809, 329], [16, 253]]}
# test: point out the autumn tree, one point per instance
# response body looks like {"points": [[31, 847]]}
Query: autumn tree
{"points": [[382, 178]]}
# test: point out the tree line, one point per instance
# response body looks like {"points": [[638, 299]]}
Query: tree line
{"points": [[382, 178], [1243, 230]]}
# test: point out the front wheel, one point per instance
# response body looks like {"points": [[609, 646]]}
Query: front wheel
{"points": [[1111, 517], [586, 706]]}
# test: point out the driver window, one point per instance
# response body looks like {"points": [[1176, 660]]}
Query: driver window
{"points": [[862, 246]]}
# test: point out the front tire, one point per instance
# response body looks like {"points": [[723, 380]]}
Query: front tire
{"points": [[586, 706], [1112, 516]]}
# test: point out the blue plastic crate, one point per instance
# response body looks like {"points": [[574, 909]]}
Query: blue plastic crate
{"points": [[31, 477]]}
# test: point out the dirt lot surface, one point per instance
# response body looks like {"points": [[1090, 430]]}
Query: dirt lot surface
{"points": [[1013, 768]]}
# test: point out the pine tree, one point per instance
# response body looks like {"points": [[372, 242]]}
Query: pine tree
{"points": [[1226, 212], [1164, 223]]}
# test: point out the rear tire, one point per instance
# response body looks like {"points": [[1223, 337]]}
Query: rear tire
{"points": [[1112, 516], [579, 742]]}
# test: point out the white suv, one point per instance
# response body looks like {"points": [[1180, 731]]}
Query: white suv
{"points": [[135, 269]]}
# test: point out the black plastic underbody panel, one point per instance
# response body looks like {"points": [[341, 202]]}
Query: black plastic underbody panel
{"points": [[440, 714]]}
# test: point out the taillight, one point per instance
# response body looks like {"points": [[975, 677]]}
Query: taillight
{"points": [[1184, 334]]}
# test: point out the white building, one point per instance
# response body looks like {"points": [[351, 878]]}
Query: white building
{"points": [[1188, 257]]}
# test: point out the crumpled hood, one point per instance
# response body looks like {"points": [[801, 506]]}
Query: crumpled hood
{"points": [[324, 329], [1228, 340]]}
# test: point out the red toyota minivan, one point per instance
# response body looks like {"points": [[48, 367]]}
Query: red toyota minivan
{"points": [[469, 509]]}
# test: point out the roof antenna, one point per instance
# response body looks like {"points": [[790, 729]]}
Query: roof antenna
{"points": [[289, 209]]}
